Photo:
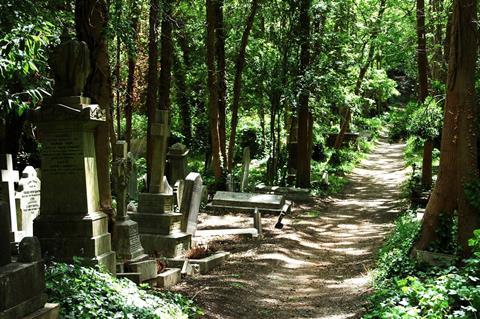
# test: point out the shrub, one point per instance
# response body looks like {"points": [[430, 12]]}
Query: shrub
{"points": [[84, 292]]}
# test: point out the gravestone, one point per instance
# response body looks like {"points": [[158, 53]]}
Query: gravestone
{"points": [[177, 157], [70, 222], [28, 195], [126, 240], [9, 177], [246, 168], [248, 202], [158, 224], [230, 183], [22, 282], [132, 180], [190, 204]]}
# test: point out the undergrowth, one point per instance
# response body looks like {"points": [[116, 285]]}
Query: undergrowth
{"points": [[85, 293]]}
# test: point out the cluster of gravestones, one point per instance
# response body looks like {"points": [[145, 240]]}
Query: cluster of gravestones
{"points": [[65, 216]]}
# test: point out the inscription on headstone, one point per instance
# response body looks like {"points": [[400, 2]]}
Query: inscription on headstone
{"points": [[64, 154], [29, 197]]}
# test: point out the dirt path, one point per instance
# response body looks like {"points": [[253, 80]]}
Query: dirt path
{"points": [[317, 266]]}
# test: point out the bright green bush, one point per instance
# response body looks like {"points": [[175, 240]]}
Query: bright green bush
{"points": [[426, 121], [87, 293]]}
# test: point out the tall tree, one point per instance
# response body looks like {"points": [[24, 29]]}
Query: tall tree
{"points": [[132, 61], [91, 18], [221, 73], [305, 119], [422, 62], [152, 78], [212, 89], [237, 82], [458, 154]]}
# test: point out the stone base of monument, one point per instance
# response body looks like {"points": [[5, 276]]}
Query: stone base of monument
{"points": [[50, 311], [154, 223], [142, 269], [168, 278], [171, 245], [67, 236], [22, 283], [435, 259], [205, 264], [126, 241], [290, 193]]}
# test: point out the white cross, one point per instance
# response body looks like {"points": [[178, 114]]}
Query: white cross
{"points": [[9, 177]]}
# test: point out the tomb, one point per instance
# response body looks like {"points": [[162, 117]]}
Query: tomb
{"points": [[70, 223], [247, 202], [177, 159], [290, 193]]}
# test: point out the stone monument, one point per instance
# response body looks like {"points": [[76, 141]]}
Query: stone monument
{"points": [[158, 224], [246, 169], [22, 282], [28, 200], [70, 222], [126, 241], [177, 157], [190, 203]]}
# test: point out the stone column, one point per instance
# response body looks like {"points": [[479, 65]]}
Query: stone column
{"points": [[159, 132]]}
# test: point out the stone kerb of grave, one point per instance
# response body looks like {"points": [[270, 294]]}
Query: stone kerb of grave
{"points": [[70, 221], [28, 197]]}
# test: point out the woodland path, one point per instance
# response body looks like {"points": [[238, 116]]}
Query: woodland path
{"points": [[318, 265]]}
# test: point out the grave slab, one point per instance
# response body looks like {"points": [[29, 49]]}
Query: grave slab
{"points": [[247, 202]]}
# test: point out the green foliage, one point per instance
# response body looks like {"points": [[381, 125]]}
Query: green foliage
{"points": [[427, 120], [472, 192], [139, 126], [404, 291], [87, 293]]}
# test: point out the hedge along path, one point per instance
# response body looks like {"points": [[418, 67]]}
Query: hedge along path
{"points": [[318, 265]]}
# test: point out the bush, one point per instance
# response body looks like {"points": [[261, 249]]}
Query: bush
{"points": [[87, 293]]}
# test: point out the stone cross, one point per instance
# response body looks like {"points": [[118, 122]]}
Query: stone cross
{"points": [[159, 132], [121, 173], [246, 168], [190, 205], [9, 177]]}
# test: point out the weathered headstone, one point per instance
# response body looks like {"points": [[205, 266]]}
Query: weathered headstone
{"points": [[230, 183], [22, 283], [246, 169], [190, 204], [132, 180], [9, 177], [158, 224], [70, 222], [177, 157], [29, 199]]}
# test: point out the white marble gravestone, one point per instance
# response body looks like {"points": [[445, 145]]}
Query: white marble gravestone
{"points": [[8, 177], [28, 195]]}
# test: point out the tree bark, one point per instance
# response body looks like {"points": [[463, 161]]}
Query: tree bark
{"points": [[182, 99], [152, 78], [237, 82], [166, 57], [212, 89], [91, 18], [458, 155], [132, 61], [221, 81], [304, 156]]}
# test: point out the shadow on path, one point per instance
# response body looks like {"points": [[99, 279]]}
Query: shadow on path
{"points": [[317, 266]]}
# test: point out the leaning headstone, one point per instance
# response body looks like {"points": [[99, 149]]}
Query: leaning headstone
{"points": [[190, 205], [246, 169], [22, 283], [9, 177], [70, 222], [177, 157], [29, 199]]}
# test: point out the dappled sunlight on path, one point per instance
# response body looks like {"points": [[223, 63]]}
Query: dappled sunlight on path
{"points": [[317, 266]]}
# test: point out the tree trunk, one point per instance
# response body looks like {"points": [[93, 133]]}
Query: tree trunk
{"points": [[304, 156], [91, 22], [212, 88], [117, 88], [458, 156], [166, 57], [221, 81], [237, 83], [152, 78], [438, 63], [132, 61], [182, 99], [422, 63]]}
